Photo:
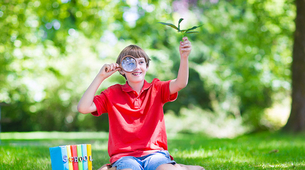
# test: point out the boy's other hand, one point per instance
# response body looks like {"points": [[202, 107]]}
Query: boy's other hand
{"points": [[185, 47], [108, 69]]}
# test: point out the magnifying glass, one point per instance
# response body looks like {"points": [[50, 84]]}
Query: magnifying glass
{"points": [[128, 63]]}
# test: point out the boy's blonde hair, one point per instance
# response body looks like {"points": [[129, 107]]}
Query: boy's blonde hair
{"points": [[134, 51]]}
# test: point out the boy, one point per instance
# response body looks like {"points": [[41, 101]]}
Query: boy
{"points": [[137, 136]]}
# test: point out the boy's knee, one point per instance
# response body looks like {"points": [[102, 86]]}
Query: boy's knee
{"points": [[170, 167], [192, 167], [107, 167]]}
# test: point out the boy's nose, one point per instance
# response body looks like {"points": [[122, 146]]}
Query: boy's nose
{"points": [[138, 66]]}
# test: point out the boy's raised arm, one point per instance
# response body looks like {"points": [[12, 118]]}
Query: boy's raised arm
{"points": [[86, 104], [183, 74]]}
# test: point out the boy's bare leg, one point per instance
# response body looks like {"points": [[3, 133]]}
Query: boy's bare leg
{"points": [[106, 167], [179, 167], [192, 167], [170, 167], [164, 166]]}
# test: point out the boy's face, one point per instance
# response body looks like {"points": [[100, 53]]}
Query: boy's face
{"points": [[139, 73]]}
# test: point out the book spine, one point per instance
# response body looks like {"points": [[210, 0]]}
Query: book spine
{"points": [[64, 155], [89, 153], [70, 159], [80, 157], [74, 156], [85, 156]]}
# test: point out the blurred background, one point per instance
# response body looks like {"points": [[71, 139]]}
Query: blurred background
{"points": [[240, 77]]}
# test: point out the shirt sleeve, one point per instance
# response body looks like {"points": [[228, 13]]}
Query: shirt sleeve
{"points": [[100, 102], [166, 96]]}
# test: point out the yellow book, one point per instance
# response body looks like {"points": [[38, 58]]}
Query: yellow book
{"points": [[69, 157], [89, 153]]}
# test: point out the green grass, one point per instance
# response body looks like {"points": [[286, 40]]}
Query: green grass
{"points": [[256, 151]]}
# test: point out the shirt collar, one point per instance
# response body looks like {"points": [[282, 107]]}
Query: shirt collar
{"points": [[127, 88]]}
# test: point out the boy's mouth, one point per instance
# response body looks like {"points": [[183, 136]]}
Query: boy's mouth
{"points": [[136, 73]]}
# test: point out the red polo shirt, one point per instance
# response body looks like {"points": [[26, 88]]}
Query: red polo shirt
{"points": [[136, 121]]}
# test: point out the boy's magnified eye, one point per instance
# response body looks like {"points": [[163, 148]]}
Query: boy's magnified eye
{"points": [[128, 63]]}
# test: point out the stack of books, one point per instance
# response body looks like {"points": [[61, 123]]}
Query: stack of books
{"points": [[71, 157]]}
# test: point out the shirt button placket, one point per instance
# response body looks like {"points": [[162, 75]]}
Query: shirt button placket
{"points": [[136, 103]]}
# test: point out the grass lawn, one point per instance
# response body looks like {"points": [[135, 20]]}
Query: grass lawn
{"points": [[255, 151]]}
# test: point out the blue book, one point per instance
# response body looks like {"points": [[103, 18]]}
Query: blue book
{"points": [[85, 156], [59, 158]]}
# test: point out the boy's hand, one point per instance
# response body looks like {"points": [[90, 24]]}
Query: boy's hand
{"points": [[185, 47], [108, 69]]}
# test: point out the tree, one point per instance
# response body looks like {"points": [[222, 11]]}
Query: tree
{"points": [[51, 50], [296, 121]]}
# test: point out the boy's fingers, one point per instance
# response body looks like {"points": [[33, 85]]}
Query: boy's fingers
{"points": [[186, 49], [186, 46], [185, 43], [115, 67], [112, 67], [106, 67]]}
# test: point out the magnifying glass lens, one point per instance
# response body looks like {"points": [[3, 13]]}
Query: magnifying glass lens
{"points": [[129, 64]]}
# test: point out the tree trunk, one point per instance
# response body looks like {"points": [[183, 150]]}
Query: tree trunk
{"points": [[296, 121]]}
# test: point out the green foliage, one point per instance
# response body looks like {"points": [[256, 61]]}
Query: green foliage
{"points": [[50, 51], [256, 151], [186, 31]]}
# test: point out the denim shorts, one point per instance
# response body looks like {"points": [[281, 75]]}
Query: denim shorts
{"points": [[148, 162]]}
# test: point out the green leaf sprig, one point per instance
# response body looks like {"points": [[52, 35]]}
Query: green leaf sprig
{"points": [[184, 32]]}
